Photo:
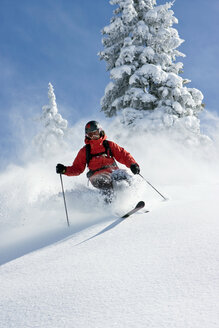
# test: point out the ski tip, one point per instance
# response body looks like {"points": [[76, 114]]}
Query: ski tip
{"points": [[140, 204]]}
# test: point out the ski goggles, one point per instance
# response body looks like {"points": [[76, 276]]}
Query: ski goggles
{"points": [[93, 134]]}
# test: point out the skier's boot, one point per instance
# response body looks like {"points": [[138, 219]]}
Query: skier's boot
{"points": [[107, 195]]}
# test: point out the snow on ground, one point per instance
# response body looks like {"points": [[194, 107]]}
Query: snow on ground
{"points": [[152, 270], [158, 269]]}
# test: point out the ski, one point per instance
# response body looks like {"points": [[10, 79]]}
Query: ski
{"points": [[138, 207]]}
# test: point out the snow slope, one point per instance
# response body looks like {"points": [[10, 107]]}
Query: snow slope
{"points": [[158, 269], [154, 270]]}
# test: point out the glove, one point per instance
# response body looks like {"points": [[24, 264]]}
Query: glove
{"points": [[135, 168], [60, 168]]}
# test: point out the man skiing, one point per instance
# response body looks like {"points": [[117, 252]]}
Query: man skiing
{"points": [[99, 155]]}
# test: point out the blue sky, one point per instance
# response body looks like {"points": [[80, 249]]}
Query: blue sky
{"points": [[55, 41]]}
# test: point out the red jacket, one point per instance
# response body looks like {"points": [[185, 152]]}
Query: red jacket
{"points": [[96, 162]]}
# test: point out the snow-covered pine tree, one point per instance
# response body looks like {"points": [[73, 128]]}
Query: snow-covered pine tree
{"points": [[54, 126], [140, 48]]}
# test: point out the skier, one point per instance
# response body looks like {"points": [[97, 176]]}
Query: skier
{"points": [[99, 155]]}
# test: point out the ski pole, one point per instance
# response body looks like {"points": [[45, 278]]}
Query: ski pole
{"points": [[153, 187], [63, 193]]}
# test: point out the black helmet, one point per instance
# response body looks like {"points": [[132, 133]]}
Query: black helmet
{"points": [[92, 126]]}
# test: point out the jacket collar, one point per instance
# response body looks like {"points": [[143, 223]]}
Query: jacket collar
{"points": [[95, 142]]}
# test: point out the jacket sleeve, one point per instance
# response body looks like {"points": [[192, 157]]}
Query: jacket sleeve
{"points": [[78, 165], [121, 155]]}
